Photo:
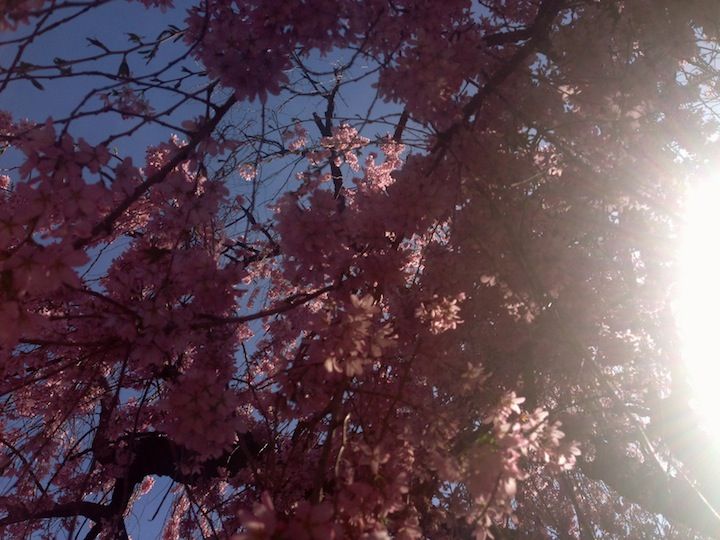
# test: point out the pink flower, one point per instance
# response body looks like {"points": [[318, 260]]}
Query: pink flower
{"points": [[261, 523], [345, 141]]}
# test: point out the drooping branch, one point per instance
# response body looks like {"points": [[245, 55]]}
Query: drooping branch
{"points": [[653, 489], [280, 307]]}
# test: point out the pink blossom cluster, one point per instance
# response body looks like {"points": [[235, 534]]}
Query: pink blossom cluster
{"points": [[247, 171], [309, 522], [345, 141], [352, 341], [295, 137], [128, 102], [41, 218], [200, 412], [243, 45], [441, 314], [513, 436], [14, 13]]}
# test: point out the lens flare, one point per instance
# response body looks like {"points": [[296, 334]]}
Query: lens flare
{"points": [[698, 304]]}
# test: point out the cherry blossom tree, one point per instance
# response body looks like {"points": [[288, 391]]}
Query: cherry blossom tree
{"points": [[396, 269]]}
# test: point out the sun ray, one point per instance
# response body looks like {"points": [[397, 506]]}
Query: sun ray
{"points": [[699, 298]]}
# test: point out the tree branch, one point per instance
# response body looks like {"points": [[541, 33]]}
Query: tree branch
{"points": [[653, 489], [104, 227], [150, 454], [93, 511]]}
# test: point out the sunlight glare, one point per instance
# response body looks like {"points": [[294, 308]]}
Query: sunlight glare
{"points": [[699, 299]]}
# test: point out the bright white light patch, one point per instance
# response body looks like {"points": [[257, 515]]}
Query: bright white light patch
{"points": [[698, 305]]}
